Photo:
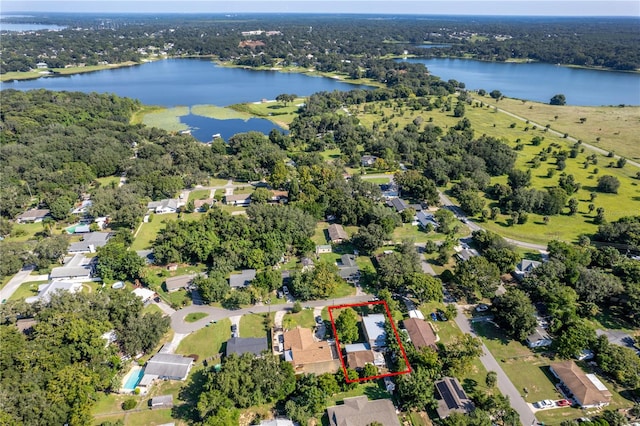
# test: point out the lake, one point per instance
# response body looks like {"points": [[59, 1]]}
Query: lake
{"points": [[176, 82], [539, 82]]}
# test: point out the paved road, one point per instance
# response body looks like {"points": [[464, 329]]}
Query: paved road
{"points": [[507, 388], [179, 325], [447, 203], [15, 282]]}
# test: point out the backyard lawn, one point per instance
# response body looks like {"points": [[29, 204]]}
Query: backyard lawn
{"points": [[199, 194], [27, 290]]}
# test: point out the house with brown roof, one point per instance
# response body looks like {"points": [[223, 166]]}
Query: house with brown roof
{"points": [[337, 234], [308, 355], [359, 411], [586, 389], [357, 360], [421, 333]]}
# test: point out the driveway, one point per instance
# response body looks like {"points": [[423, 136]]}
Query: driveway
{"points": [[507, 388], [15, 282], [620, 338]]}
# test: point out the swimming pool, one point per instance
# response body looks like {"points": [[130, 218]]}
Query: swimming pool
{"points": [[134, 377]]}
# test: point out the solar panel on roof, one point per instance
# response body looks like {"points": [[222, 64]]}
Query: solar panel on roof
{"points": [[448, 398], [458, 390]]}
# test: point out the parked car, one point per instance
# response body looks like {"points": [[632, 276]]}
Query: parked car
{"points": [[285, 290], [547, 403], [563, 403], [482, 307], [442, 316], [434, 317], [318, 319]]}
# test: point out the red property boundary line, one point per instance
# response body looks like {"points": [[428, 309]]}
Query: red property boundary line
{"points": [[395, 331]]}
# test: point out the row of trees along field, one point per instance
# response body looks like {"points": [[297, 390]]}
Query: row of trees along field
{"points": [[330, 43]]}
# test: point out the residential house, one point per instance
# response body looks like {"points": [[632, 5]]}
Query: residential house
{"points": [[33, 216], [243, 345], [368, 160], [397, 204], [144, 293], [83, 208], [348, 268], [524, 268], [337, 234], [179, 282], [416, 313], [90, 242], [77, 268], [82, 229], [169, 205], [45, 291], [308, 356], [425, 219], [162, 401], [421, 333], [241, 200], [359, 411], [539, 338], [307, 264], [242, 279], [357, 360], [586, 389], [323, 248], [42, 65], [463, 254], [389, 191], [374, 330], [278, 196], [199, 205], [277, 422], [165, 366], [451, 398]]}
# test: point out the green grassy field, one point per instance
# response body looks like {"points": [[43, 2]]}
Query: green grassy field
{"points": [[27, 290], [149, 230], [199, 194], [218, 112], [206, 342], [166, 118], [617, 127], [275, 111], [487, 121]]}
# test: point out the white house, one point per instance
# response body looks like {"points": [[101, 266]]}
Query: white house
{"points": [[45, 291], [169, 205]]}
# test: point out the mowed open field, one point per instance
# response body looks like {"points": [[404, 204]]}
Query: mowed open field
{"points": [[616, 126], [487, 121]]}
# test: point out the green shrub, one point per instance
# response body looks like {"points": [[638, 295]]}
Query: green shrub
{"points": [[129, 404]]}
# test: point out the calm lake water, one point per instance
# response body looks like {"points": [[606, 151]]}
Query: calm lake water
{"points": [[189, 82], [28, 27], [539, 82]]}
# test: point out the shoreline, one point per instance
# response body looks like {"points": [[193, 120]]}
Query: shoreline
{"points": [[57, 72]]}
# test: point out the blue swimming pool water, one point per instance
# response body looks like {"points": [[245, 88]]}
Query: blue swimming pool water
{"points": [[134, 379]]}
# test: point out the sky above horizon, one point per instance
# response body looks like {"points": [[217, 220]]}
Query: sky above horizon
{"points": [[449, 7]]}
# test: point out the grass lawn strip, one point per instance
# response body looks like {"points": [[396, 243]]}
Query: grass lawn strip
{"points": [[195, 316], [303, 319]]}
